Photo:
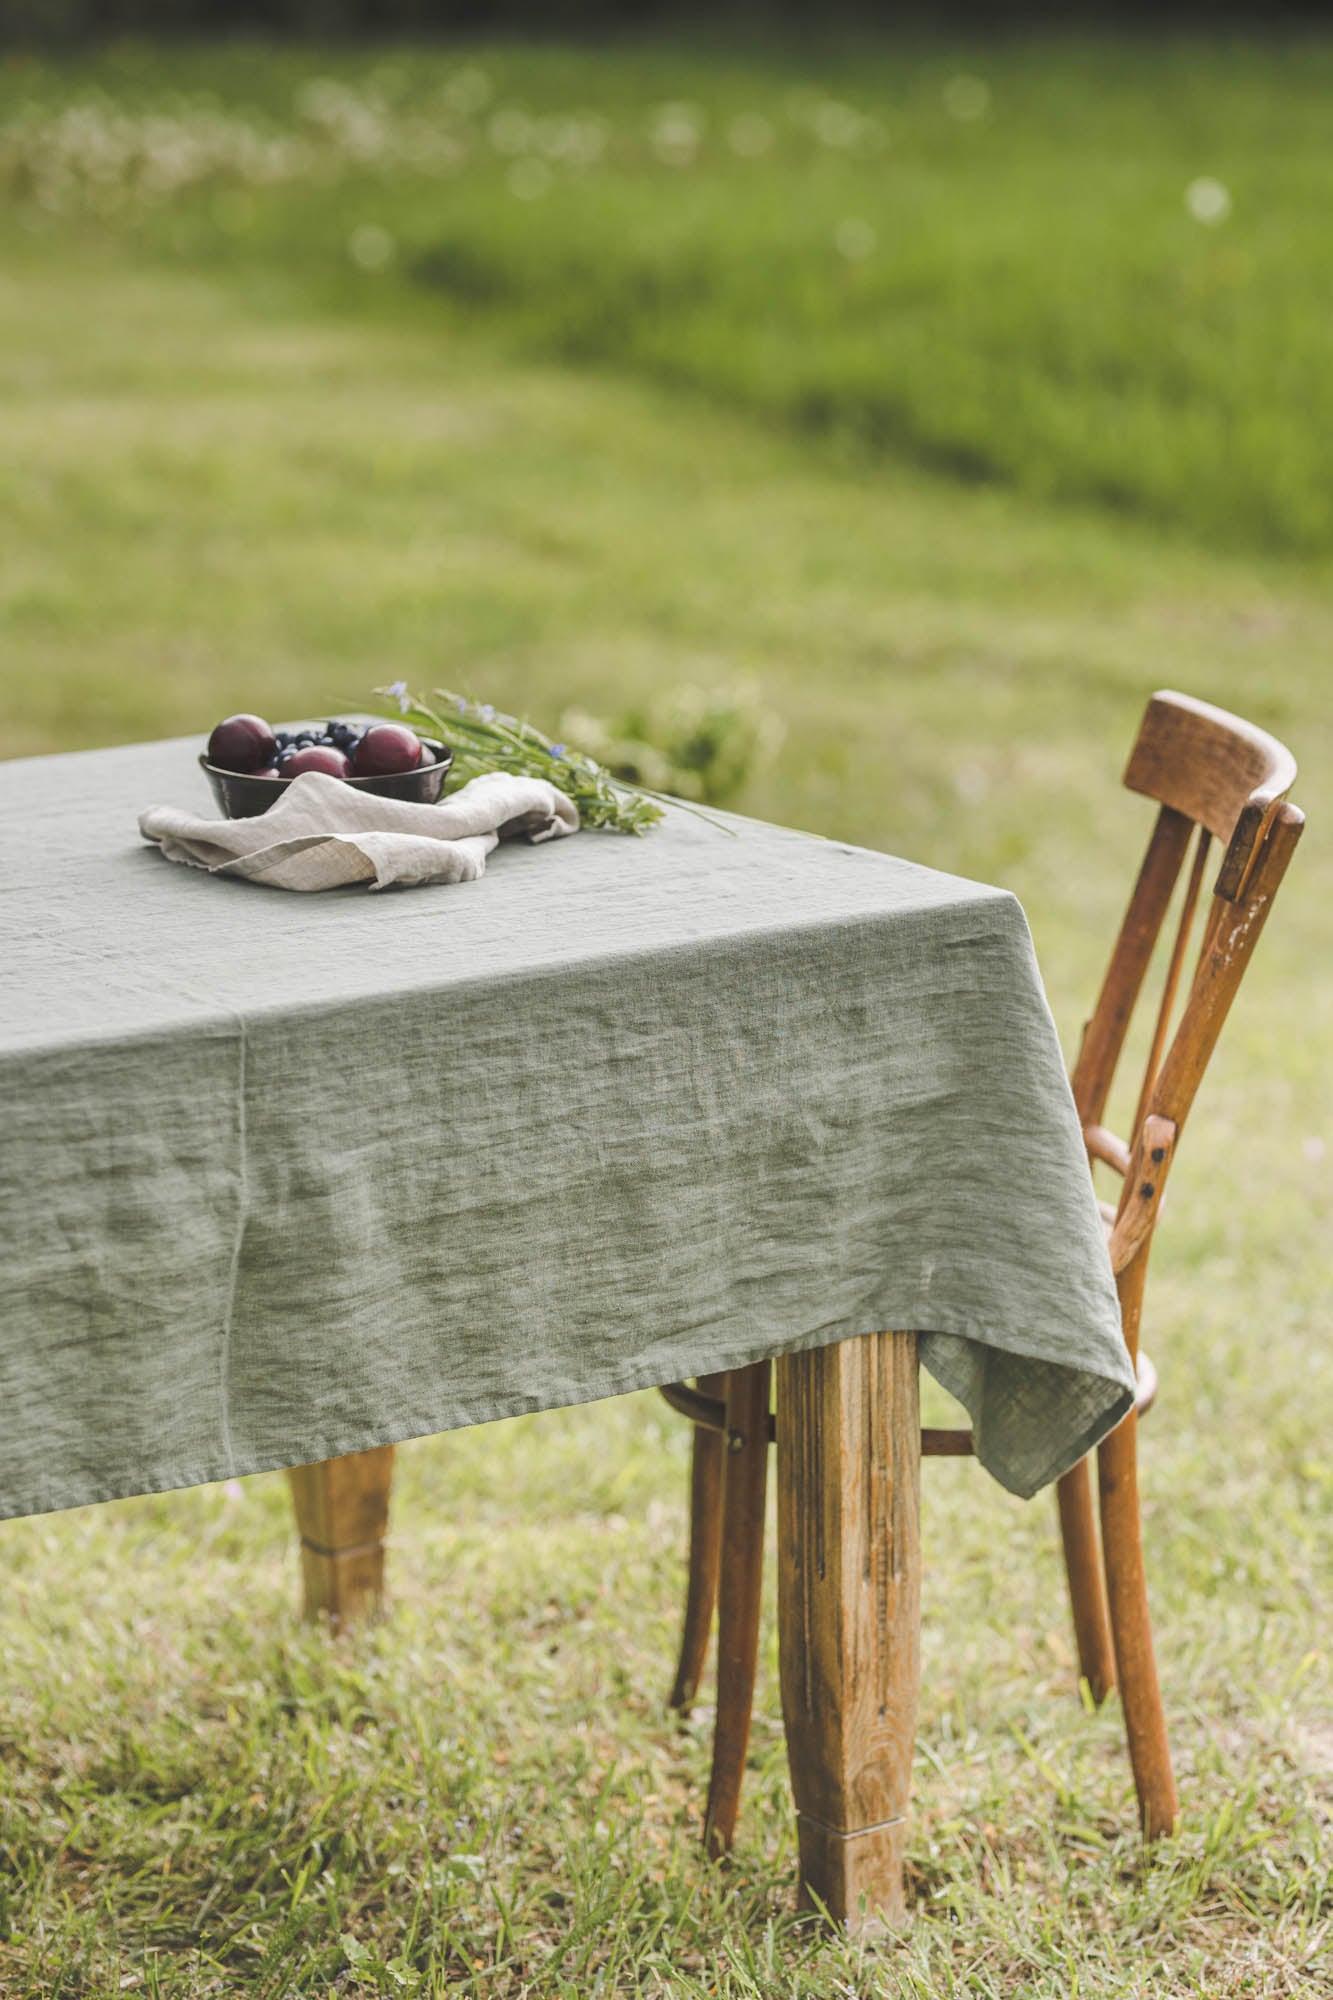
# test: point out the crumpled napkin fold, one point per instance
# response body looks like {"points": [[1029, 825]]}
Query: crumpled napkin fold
{"points": [[322, 834]]}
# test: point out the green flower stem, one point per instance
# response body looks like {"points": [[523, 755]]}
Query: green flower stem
{"points": [[488, 741]]}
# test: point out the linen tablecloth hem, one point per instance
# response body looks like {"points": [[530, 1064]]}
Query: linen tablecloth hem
{"points": [[1113, 1401]]}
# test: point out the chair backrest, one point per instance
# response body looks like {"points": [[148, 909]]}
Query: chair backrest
{"points": [[1214, 778]]}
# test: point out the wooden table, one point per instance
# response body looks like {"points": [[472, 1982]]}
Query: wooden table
{"points": [[849, 1600], [285, 1177]]}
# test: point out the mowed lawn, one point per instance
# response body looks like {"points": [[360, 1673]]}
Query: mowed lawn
{"points": [[276, 475]]}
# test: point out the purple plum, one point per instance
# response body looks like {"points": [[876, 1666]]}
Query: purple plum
{"points": [[242, 743], [319, 757], [386, 749]]}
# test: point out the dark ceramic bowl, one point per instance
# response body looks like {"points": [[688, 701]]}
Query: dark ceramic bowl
{"points": [[243, 797]]}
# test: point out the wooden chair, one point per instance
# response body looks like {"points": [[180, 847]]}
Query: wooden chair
{"points": [[1214, 778]]}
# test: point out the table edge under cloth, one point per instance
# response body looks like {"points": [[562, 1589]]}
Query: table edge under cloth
{"points": [[945, 1343]]}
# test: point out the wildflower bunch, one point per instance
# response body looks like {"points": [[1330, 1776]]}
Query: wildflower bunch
{"points": [[482, 739]]}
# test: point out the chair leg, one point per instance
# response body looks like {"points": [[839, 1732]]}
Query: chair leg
{"points": [[705, 1550], [744, 1483], [1127, 1591], [1087, 1591]]}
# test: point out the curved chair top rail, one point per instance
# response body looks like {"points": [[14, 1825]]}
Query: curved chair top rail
{"points": [[1218, 770], [1211, 771]]}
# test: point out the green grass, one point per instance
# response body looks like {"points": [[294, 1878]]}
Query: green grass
{"points": [[980, 259], [266, 480]]}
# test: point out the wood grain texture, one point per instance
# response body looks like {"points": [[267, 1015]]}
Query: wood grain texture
{"points": [[1104, 1034], [1214, 772], [342, 1515], [1171, 983], [849, 1611], [706, 1453], [1086, 1578], [948, 1444], [740, 1589], [1232, 932], [1229, 945], [1209, 765]]}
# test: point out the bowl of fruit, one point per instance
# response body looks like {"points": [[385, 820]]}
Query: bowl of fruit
{"points": [[250, 765]]}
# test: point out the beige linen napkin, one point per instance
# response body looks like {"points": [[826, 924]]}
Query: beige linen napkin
{"points": [[322, 834]]}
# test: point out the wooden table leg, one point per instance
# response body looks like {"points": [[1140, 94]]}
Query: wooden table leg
{"points": [[342, 1513], [849, 1614]]}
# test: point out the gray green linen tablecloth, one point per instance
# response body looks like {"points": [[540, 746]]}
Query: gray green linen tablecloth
{"points": [[284, 1177]]}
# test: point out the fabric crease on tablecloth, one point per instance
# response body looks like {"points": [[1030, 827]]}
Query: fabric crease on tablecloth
{"points": [[286, 1177]]}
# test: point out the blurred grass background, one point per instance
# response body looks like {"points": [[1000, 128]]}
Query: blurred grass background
{"points": [[1098, 271], [958, 394]]}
